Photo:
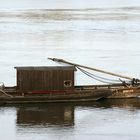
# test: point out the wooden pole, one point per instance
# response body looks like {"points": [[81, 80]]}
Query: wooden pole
{"points": [[94, 69]]}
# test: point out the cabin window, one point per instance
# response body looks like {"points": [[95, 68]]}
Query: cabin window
{"points": [[67, 83]]}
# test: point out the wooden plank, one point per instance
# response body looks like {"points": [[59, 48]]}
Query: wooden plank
{"points": [[38, 79]]}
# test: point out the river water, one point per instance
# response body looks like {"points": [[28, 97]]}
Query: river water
{"points": [[98, 33]]}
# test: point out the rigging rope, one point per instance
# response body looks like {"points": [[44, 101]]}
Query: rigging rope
{"points": [[133, 81], [90, 68], [99, 78]]}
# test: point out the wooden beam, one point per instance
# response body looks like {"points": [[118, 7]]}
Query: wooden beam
{"points": [[90, 68]]}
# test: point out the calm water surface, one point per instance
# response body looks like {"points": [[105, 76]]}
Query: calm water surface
{"points": [[98, 33], [108, 119]]}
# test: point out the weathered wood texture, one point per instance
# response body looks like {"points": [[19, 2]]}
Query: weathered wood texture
{"points": [[44, 78]]}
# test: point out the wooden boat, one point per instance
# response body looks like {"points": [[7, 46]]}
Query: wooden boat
{"points": [[56, 84]]}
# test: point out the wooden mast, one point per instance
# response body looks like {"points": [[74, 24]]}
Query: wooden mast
{"points": [[94, 69]]}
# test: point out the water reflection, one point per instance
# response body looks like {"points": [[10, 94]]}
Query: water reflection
{"points": [[121, 103], [64, 114], [104, 119], [53, 114]]}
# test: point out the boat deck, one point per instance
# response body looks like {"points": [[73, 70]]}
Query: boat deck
{"points": [[80, 93]]}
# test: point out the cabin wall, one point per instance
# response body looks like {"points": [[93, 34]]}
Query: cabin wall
{"points": [[31, 80]]}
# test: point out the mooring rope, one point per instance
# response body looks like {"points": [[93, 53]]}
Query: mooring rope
{"points": [[2, 91]]}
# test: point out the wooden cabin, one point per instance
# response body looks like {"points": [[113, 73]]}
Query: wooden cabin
{"points": [[45, 78]]}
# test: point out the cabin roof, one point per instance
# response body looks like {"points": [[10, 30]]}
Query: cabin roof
{"points": [[45, 68]]}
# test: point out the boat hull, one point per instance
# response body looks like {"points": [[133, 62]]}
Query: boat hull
{"points": [[125, 93], [51, 97], [79, 94]]}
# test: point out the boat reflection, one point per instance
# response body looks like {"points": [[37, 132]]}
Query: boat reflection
{"points": [[131, 103], [63, 114], [42, 114]]}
